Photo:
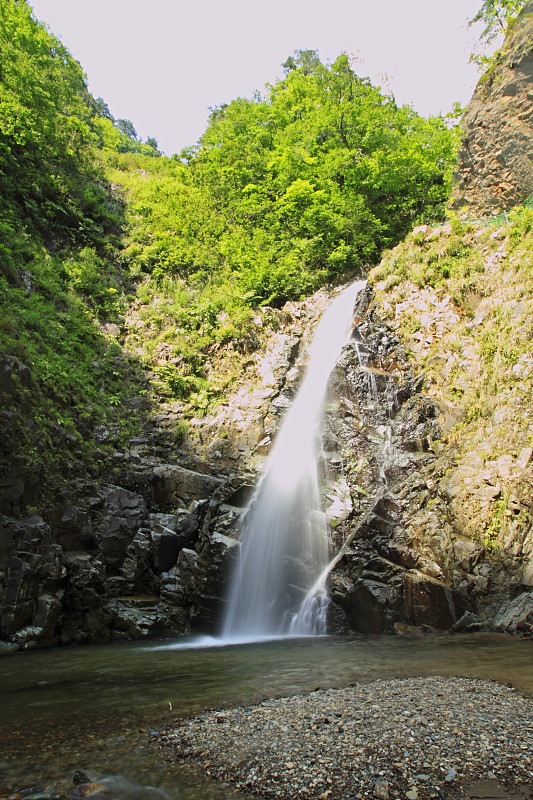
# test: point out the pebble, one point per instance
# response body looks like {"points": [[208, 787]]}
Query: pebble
{"points": [[381, 790], [451, 776], [457, 730]]}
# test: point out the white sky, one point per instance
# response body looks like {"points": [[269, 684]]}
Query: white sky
{"points": [[163, 63]]}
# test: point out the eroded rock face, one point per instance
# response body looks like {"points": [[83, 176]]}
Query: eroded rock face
{"points": [[379, 475], [150, 554], [380, 431], [516, 616], [30, 574], [404, 507], [495, 170], [105, 568], [239, 435]]}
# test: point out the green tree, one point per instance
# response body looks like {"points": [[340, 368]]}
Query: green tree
{"points": [[307, 61], [497, 17], [329, 169], [49, 184], [127, 128], [102, 109]]}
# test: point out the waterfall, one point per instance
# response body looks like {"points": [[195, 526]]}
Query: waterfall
{"points": [[279, 584]]}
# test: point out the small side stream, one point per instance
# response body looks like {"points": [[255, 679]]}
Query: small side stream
{"points": [[97, 708]]}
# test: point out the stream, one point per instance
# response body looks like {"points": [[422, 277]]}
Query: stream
{"points": [[97, 708]]}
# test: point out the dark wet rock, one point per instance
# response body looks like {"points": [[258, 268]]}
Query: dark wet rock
{"points": [[431, 602], [123, 513], [382, 428], [19, 488], [136, 618], [79, 777], [468, 623], [175, 487], [371, 606], [136, 568], [74, 529], [30, 569], [85, 619]]}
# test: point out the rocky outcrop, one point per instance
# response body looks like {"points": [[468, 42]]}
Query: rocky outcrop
{"points": [[379, 447], [403, 559], [105, 567], [238, 436], [516, 616], [149, 554], [495, 168], [471, 335]]}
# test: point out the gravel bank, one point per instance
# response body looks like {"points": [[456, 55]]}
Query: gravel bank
{"points": [[409, 738]]}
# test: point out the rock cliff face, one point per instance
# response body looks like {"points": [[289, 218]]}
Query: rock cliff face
{"points": [[402, 521], [143, 549], [470, 334], [148, 552], [403, 506], [495, 164]]}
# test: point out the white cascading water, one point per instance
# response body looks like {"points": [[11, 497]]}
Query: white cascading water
{"points": [[279, 584]]}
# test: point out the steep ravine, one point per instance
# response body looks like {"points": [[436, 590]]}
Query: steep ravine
{"points": [[429, 502], [131, 552]]}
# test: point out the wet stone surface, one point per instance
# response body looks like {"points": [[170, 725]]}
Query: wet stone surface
{"points": [[414, 738]]}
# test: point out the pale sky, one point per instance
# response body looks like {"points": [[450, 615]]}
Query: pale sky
{"points": [[163, 63]]}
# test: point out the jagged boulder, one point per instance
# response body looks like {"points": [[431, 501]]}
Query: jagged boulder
{"points": [[370, 606], [432, 603], [516, 616], [95, 572], [122, 515], [30, 574], [84, 599]]}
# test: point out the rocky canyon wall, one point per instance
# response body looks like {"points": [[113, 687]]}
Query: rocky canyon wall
{"points": [[495, 162], [148, 553]]}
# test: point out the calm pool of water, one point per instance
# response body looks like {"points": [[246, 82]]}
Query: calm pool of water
{"points": [[96, 707]]}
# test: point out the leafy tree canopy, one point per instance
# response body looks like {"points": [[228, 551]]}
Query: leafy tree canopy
{"points": [[497, 17], [306, 60], [318, 176]]}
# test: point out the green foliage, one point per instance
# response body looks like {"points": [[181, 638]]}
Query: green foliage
{"points": [[306, 60], [284, 192], [59, 229], [77, 375], [49, 185], [430, 261], [290, 190], [118, 135], [173, 229], [90, 277], [454, 268], [497, 16]]}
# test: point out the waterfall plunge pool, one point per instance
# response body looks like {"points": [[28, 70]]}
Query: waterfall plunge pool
{"points": [[97, 707]]}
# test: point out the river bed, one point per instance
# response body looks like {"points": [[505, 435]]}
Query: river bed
{"points": [[97, 708]]}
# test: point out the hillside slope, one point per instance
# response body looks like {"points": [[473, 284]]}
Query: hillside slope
{"points": [[153, 334], [460, 298]]}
